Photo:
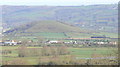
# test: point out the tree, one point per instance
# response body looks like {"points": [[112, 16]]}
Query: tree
{"points": [[22, 51]]}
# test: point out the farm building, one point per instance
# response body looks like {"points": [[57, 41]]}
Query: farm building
{"points": [[54, 42], [10, 42]]}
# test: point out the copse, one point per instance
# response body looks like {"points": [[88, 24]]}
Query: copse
{"points": [[24, 51], [54, 51]]}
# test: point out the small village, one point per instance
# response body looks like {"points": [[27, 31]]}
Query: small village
{"points": [[80, 41]]}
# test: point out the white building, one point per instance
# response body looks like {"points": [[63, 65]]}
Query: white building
{"points": [[11, 42]]}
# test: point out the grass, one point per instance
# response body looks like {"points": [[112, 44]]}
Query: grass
{"points": [[14, 47], [9, 47], [77, 52], [55, 35], [112, 35], [74, 51], [79, 35], [87, 52]]}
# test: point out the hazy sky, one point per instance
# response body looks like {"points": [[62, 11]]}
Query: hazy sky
{"points": [[56, 2]]}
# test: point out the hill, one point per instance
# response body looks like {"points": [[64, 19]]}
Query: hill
{"points": [[47, 26], [52, 29], [93, 17], [47, 29]]}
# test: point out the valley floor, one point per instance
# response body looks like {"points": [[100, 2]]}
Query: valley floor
{"points": [[79, 54]]}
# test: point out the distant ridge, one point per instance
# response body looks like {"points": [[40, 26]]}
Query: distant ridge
{"points": [[93, 17]]}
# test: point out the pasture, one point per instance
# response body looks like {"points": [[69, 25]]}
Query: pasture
{"points": [[54, 35], [83, 52], [76, 52]]}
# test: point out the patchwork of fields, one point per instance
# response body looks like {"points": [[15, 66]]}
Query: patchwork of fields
{"points": [[76, 52], [57, 35]]}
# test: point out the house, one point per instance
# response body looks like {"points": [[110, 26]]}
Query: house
{"points": [[10, 42], [113, 43], [1, 43], [54, 42]]}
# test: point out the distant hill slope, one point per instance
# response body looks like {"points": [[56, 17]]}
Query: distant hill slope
{"points": [[47, 26], [52, 26], [53, 29], [93, 17]]}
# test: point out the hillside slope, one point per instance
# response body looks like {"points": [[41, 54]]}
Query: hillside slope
{"points": [[93, 17], [47, 26], [53, 29], [52, 26]]}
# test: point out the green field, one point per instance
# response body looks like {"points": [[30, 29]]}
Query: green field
{"points": [[74, 51], [87, 52], [77, 52]]}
